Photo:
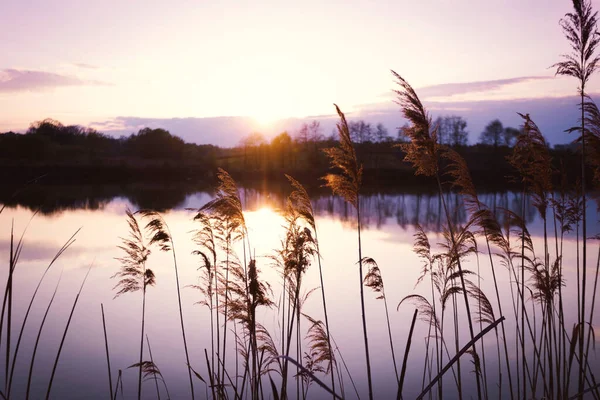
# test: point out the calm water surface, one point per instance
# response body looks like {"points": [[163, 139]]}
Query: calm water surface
{"points": [[388, 229]]}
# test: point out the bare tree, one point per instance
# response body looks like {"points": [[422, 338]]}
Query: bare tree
{"points": [[360, 131], [314, 131], [492, 134], [509, 136], [452, 130], [381, 133]]}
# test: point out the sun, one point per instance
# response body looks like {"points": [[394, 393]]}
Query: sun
{"points": [[266, 111], [265, 120]]}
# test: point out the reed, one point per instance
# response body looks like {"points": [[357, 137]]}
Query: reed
{"points": [[110, 385], [580, 29], [423, 152], [134, 276], [347, 184], [67, 244], [160, 234], [374, 280], [300, 200]]}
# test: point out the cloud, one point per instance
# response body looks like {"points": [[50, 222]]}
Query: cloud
{"points": [[13, 80], [85, 66], [451, 89]]}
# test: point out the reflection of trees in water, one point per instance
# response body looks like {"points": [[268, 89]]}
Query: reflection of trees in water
{"points": [[407, 209], [423, 209], [377, 209], [55, 199]]}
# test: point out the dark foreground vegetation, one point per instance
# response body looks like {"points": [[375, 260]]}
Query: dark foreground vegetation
{"points": [[244, 359]]}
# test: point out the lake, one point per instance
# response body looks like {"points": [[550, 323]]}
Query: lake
{"points": [[389, 221]]}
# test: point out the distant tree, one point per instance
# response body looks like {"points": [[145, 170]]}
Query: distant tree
{"points": [[402, 135], [49, 128], [303, 134], [381, 133], [360, 131], [282, 140], [281, 145], [493, 133], [253, 140], [509, 136], [251, 144], [156, 143], [452, 130], [442, 129], [314, 132], [458, 135], [315, 136]]}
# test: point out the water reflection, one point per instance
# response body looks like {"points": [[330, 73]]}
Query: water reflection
{"points": [[388, 237], [56, 199], [407, 208]]}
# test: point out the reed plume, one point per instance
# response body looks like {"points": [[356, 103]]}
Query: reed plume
{"points": [[294, 258], [423, 153], [300, 201], [580, 29], [374, 280], [347, 184], [134, 276], [227, 218], [160, 234]]}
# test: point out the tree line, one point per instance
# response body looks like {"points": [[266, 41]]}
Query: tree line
{"points": [[50, 143]]}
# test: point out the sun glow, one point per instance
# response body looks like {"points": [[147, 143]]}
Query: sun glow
{"points": [[265, 228]]}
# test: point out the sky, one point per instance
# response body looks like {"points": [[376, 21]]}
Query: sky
{"points": [[213, 72]]}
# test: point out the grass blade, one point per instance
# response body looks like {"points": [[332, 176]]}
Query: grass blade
{"points": [[62, 342], [107, 353]]}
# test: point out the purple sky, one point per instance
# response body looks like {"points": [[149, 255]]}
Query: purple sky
{"points": [[214, 72]]}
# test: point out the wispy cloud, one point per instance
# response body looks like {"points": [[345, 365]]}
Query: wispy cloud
{"points": [[14, 80], [85, 66], [451, 89]]}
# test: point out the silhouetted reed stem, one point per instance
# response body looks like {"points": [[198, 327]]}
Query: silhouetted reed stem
{"points": [[185, 346], [362, 301], [222, 380], [68, 243], [405, 358], [8, 302], [64, 336], [348, 184], [110, 386], [583, 356], [39, 335], [462, 279], [458, 355], [497, 291], [333, 366], [152, 361], [139, 392]]}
